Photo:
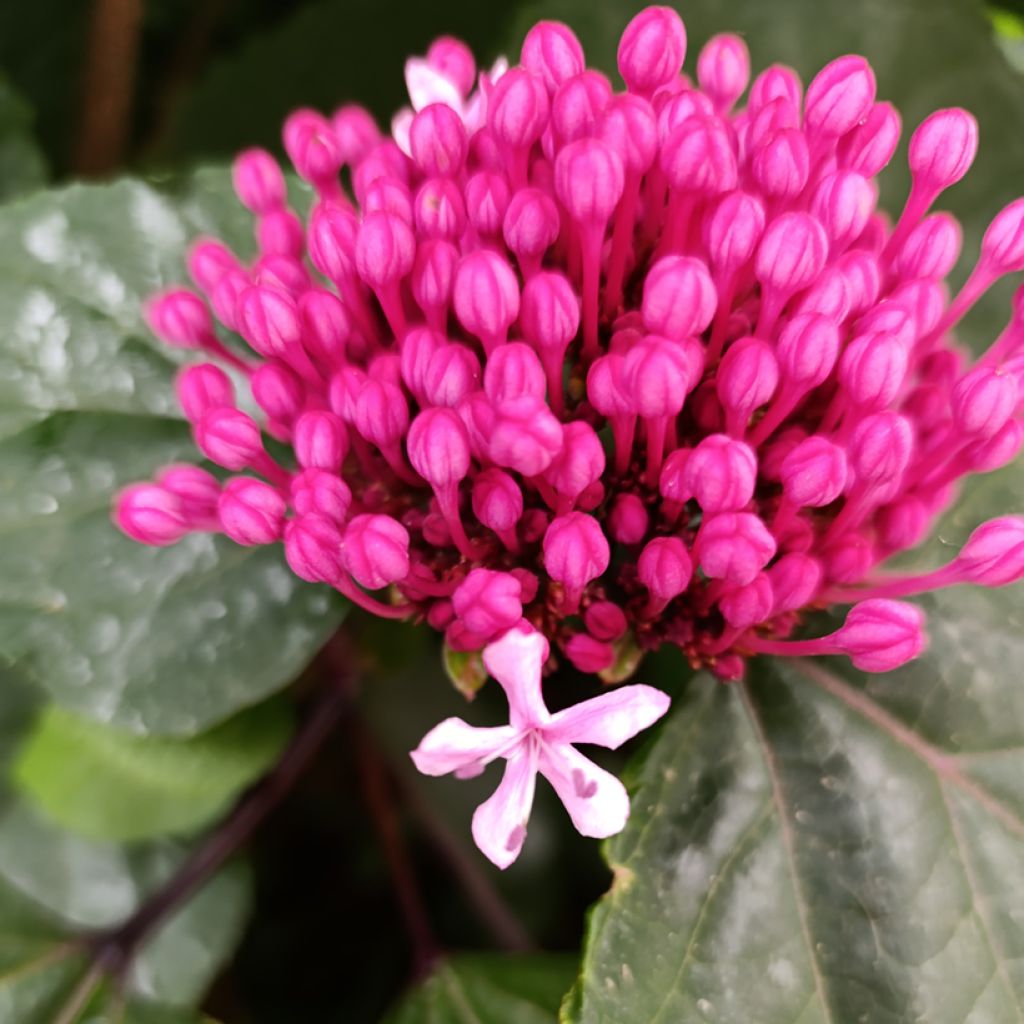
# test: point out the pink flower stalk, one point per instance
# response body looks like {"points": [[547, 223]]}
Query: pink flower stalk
{"points": [[532, 264], [536, 741]]}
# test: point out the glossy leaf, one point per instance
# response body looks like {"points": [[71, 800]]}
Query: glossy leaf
{"points": [[163, 641], [489, 989]]}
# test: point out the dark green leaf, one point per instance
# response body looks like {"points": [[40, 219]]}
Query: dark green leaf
{"points": [[105, 783], [163, 641], [489, 990]]}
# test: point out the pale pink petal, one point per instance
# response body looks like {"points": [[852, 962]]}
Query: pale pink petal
{"points": [[516, 661], [401, 124], [457, 746], [427, 85], [596, 801], [610, 719], [475, 116], [499, 824]]}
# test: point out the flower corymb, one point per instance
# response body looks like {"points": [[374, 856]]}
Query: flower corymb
{"points": [[631, 368]]}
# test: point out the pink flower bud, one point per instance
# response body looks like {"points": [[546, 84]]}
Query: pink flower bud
{"points": [[872, 369], [880, 635], [605, 621], [432, 276], [320, 441], [814, 473], [486, 295], [839, 97], [488, 602], [863, 278], [312, 146], [325, 325], [269, 321], [333, 232], [983, 402], [660, 373], [525, 436], [994, 553], [747, 605], [375, 551], [196, 490], [807, 350], [513, 370], [1002, 247], [869, 146], [723, 69], [943, 148], [322, 493], [150, 514], [229, 438], [579, 464], [381, 412], [201, 387], [577, 106], [531, 224], [679, 107], [628, 519], [438, 447], [208, 261], [440, 211], [734, 547], [344, 390], [280, 232], [777, 82], [487, 199], [453, 59], [588, 654], [679, 298], [698, 156], [312, 548], [278, 392], [258, 181], [356, 132], [782, 164], [497, 500], [251, 511], [589, 179], [792, 252], [628, 127], [517, 111], [437, 138], [796, 579], [550, 312], [664, 568], [652, 49], [747, 377], [416, 349], [843, 202], [773, 455], [553, 53], [880, 448], [850, 559], [903, 523], [385, 249], [997, 451], [931, 249], [733, 231], [452, 373], [575, 551], [179, 317], [721, 473], [672, 480]]}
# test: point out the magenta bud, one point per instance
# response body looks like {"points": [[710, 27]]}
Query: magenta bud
{"points": [[863, 278], [721, 473], [672, 480], [747, 377], [575, 551], [673, 108], [1002, 247], [588, 654], [320, 441], [452, 373], [333, 232], [512, 371], [772, 456], [531, 223], [281, 273], [202, 387], [488, 602], [453, 59], [782, 164], [385, 249], [577, 106], [438, 447], [839, 97], [196, 490], [664, 568], [698, 156], [312, 146], [605, 621], [749, 604], [433, 274], [843, 202], [437, 138], [322, 493], [796, 579], [628, 126], [943, 148], [229, 438], [652, 50], [734, 547], [814, 473], [869, 146], [416, 349], [880, 635], [903, 523], [997, 451], [312, 548], [356, 132], [280, 233], [389, 195], [208, 261], [931, 249], [628, 519], [777, 82], [258, 181], [150, 514], [179, 317], [660, 373], [679, 298], [278, 392], [880, 448], [850, 559], [550, 315], [579, 464], [375, 551], [486, 295], [807, 350], [589, 179], [251, 511], [983, 402], [517, 110], [994, 553], [344, 390], [872, 369], [792, 252], [487, 199], [325, 323], [553, 53], [733, 231], [723, 69], [381, 412], [525, 436], [497, 500], [269, 320]]}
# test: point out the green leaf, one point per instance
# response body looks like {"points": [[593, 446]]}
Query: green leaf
{"points": [[489, 989], [22, 167], [105, 783], [165, 641]]}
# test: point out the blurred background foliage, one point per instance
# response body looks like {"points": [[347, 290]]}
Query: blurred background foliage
{"points": [[154, 87]]}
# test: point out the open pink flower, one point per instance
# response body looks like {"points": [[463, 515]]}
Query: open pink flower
{"points": [[537, 741]]}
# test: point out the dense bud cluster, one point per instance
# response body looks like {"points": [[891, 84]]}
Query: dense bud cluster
{"points": [[637, 367]]}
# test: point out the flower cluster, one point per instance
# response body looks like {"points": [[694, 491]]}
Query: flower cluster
{"points": [[635, 367]]}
